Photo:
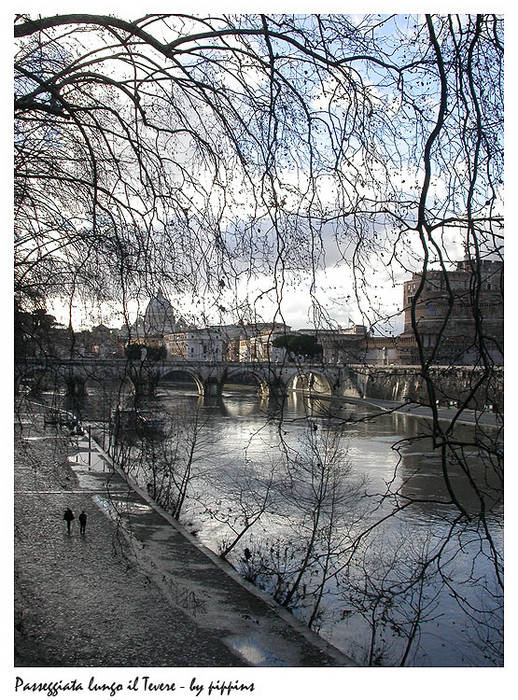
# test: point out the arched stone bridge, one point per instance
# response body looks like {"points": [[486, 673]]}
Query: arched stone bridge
{"points": [[143, 377], [397, 383]]}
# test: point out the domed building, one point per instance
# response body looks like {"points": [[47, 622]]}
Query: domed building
{"points": [[159, 317], [158, 320]]}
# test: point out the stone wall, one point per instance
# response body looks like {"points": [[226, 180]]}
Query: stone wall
{"points": [[450, 383]]}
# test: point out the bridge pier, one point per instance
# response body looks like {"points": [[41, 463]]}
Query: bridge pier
{"points": [[212, 387], [276, 388], [144, 387], [76, 386], [264, 391], [348, 388]]}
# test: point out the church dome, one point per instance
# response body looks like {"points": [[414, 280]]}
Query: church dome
{"points": [[159, 317]]}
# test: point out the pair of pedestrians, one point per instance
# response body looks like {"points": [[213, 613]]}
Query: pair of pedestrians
{"points": [[68, 516]]}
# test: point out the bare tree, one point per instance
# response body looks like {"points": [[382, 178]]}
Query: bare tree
{"points": [[315, 507], [168, 461], [250, 497], [206, 153], [392, 588]]}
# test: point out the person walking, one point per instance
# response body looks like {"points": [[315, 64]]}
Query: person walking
{"points": [[68, 516], [82, 522]]}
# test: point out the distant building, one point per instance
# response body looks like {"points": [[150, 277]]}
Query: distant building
{"points": [[158, 321], [260, 347], [159, 318], [380, 350], [105, 342], [456, 314], [230, 337], [204, 344]]}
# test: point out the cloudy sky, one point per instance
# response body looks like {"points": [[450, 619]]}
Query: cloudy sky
{"points": [[337, 291]]}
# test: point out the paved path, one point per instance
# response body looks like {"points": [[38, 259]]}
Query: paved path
{"points": [[136, 590], [467, 417]]}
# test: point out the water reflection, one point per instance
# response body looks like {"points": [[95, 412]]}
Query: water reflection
{"points": [[243, 437], [254, 650], [389, 449]]}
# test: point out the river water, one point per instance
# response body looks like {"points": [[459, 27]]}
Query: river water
{"points": [[415, 585]]}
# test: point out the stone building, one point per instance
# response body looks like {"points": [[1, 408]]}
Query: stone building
{"points": [[106, 342], [380, 350], [205, 344], [159, 318], [457, 313], [256, 344], [230, 336], [158, 321]]}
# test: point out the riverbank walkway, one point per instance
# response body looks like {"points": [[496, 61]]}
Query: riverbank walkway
{"points": [[466, 417], [136, 589]]}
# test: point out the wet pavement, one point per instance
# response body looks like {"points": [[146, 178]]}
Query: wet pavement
{"points": [[136, 589], [465, 417]]}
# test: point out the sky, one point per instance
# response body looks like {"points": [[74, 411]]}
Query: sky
{"points": [[334, 292], [332, 287], [391, 684]]}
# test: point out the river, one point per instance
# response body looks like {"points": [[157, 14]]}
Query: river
{"points": [[416, 586]]}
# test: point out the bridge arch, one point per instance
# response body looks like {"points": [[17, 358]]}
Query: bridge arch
{"points": [[120, 386], [169, 372], [311, 381], [26, 380], [262, 384]]}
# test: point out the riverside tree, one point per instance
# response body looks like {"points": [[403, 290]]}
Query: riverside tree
{"points": [[299, 345], [238, 145]]}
